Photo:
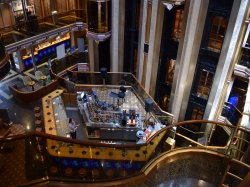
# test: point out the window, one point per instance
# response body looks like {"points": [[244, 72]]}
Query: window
{"points": [[246, 41], [98, 16], [164, 102], [197, 113], [238, 93], [217, 33], [170, 66], [205, 84], [177, 29], [245, 58]]}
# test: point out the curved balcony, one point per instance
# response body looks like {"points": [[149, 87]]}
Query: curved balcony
{"points": [[214, 165], [29, 96]]}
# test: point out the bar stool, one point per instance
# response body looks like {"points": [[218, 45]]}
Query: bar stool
{"points": [[109, 172], [82, 172], [38, 123], [123, 173], [39, 129], [53, 170], [38, 116], [38, 138], [68, 171], [95, 173], [37, 109]]}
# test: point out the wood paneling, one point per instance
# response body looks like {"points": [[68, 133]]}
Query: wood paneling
{"points": [[6, 16], [38, 8], [61, 5], [72, 4], [47, 7]]}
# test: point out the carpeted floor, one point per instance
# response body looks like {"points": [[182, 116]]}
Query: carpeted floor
{"points": [[12, 157]]}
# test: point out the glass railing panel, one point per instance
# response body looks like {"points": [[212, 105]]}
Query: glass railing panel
{"points": [[126, 79], [12, 37], [64, 63]]}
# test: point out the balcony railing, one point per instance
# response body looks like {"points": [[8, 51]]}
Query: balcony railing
{"points": [[231, 113], [26, 156], [62, 19]]}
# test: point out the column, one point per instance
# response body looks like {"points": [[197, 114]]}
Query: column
{"points": [[33, 58], [42, 7], [229, 54], [117, 40], [24, 10], [150, 37], [142, 40], [157, 17], [93, 52], [193, 25], [99, 11]]}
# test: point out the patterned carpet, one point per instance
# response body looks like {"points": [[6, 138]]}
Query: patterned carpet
{"points": [[12, 159]]}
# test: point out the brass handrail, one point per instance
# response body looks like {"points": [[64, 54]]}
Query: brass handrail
{"points": [[234, 108], [152, 164]]}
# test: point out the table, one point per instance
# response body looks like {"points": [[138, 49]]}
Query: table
{"points": [[31, 83], [43, 78]]}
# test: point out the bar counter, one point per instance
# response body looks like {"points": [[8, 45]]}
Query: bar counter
{"points": [[53, 110]]}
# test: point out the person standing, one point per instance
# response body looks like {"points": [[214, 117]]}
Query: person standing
{"points": [[72, 128], [49, 63]]}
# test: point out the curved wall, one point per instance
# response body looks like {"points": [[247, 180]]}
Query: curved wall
{"points": [[4, 60], [189, 165]]}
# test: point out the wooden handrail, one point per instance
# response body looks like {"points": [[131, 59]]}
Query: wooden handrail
{"points": [[235, 108]]}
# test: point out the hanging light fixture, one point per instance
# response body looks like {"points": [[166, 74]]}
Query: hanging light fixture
{"points": [[169, 4]]}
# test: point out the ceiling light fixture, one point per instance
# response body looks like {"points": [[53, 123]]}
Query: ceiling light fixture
{"points": [[169, 4]]}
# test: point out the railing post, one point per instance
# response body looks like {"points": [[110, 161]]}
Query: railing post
{"points": [[229, 154], [225, 174]]}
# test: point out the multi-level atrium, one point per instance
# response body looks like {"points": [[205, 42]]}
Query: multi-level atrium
{"points": [[124, 93]]}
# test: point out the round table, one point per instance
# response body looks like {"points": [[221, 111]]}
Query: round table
{"points": [[43, 78], [31, 84]]}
